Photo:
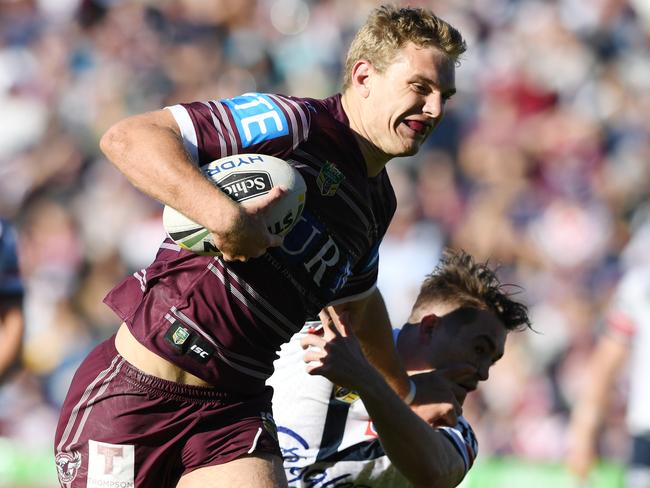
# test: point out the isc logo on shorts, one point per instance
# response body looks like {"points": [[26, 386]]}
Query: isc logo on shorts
{"points": [[111, 465]]}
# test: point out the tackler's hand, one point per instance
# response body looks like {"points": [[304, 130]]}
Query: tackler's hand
{"points": [[440, 396], [336, 353]]}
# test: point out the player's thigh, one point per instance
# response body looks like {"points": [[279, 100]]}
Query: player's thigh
{"points": [[260, 470]]}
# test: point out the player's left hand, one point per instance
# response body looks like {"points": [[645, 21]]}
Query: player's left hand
{"points": [[336, 354]]}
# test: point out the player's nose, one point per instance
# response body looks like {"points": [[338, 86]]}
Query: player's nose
{"points": [[434, 105]]}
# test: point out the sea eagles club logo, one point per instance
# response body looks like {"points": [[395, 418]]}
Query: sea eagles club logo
{"points": [[67, 464], [329, 179]]}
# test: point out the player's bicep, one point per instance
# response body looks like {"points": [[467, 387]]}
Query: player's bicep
{"points": [[144, 128]]}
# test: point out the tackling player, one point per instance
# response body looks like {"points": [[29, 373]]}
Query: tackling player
{"points": [[179, 395], [361, 433]]}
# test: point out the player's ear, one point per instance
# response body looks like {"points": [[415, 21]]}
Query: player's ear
{"points": [[361, 77], [427, 326]]}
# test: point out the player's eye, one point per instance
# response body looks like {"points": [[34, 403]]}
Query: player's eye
{"points": [[419, 88]]}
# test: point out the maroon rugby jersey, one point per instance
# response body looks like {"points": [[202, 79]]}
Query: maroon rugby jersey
{"points": [[224, 322]]}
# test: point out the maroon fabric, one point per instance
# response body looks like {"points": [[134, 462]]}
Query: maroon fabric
{"points": [[174, 428], [244, 311]]}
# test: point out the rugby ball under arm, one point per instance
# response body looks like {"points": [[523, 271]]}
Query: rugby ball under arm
{"points": [[243, 177]]}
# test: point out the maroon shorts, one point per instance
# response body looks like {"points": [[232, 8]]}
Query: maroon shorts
{"points": [[121, 428]]}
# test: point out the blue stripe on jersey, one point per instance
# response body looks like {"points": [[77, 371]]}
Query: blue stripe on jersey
{"points": [[257, 117]]}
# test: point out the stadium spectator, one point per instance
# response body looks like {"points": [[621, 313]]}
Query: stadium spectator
{"points": [[11, 301], [183, 380], [456, 331]]}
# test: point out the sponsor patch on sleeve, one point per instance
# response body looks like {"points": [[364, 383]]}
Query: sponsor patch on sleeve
{"points": [[257, 118]]}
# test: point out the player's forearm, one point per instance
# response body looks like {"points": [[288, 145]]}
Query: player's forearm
{"points": [[372, 327], [422, 454], [149, 151]]}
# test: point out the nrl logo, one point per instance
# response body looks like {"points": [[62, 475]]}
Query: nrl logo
{"points": [[67, 465], [329, 179], [180, 335]]}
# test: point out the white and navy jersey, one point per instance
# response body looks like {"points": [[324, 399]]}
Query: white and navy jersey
{"points": [[629, 320], [224, 321], [326, 435], [11, 284]]}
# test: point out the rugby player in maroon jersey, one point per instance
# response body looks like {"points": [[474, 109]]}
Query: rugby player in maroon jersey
{"points": [[178, 396]]}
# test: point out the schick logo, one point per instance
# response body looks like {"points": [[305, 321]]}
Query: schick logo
{"points": [[245, 185]]}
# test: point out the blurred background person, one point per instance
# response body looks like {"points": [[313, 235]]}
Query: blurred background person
{"points": [[11, 302], [627, 336]]}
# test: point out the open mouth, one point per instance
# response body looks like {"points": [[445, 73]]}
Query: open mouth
{"points": [[417, 126]]}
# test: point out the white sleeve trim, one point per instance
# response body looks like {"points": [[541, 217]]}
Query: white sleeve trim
{"points": [[188, 131]]}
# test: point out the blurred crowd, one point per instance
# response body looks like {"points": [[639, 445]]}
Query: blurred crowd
{"points": [[542, 165]]}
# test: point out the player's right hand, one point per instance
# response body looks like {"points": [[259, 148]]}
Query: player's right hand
{"points": [[439, 396], [243, 234]]}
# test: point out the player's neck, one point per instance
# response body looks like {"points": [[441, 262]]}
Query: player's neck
{"points": [[374, 157]]}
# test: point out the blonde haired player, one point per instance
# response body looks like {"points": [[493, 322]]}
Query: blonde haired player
{"points": [[178, 396]]}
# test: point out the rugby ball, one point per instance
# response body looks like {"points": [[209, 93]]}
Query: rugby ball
{"points": [[243, 177]]}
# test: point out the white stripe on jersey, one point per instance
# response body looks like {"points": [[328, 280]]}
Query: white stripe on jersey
{"points": [[223, 150], [184, 121], [303, 117], [247, 303], [283, 321], [170, 246], [233, 148], [142, 279], [284, 103]]}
